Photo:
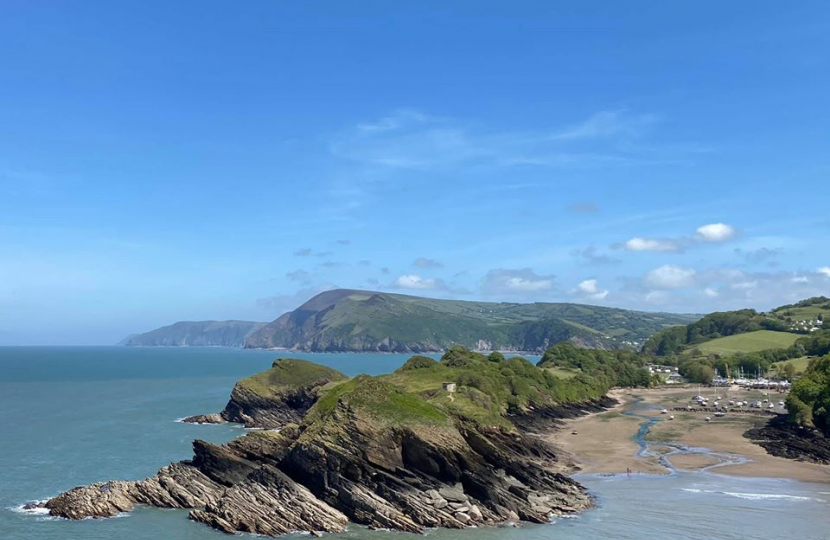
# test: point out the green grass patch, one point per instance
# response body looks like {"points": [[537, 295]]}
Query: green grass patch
{"points": [[564, 373], [288, 373], [750, 342], [800, 364], [381, 400]]}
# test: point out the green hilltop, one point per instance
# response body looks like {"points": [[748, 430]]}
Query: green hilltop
{"points": [[489, 389], [351, 320], [778, 328]]}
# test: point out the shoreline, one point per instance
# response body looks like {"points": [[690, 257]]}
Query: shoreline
{"points": [[633, 435]]}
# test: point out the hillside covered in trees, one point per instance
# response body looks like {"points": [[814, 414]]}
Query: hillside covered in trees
{"points": [[809, 400]]}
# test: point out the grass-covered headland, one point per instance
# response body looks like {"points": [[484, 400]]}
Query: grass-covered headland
{"points": [[433, 444]]}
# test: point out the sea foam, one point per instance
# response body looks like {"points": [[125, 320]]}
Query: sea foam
{"points": [[756, 496], [39, 511]]}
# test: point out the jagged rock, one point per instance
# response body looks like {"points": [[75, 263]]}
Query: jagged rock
{"points": [[272, 504], [176, 486], [453, 494], [214, 418], [97, 500]]}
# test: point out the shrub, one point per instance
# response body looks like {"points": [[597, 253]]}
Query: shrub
{"points": [[418, 362]]}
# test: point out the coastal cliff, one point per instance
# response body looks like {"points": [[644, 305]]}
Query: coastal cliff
{"points": [[351, 320], [402, 451], [196, 334]]}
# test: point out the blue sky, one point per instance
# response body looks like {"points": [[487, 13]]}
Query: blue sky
{"points": [[164, 161]]}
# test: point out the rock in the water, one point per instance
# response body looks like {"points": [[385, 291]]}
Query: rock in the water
{"points": [[214, 418], [176, 486]]}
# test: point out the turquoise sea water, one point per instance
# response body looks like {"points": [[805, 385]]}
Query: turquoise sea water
{"points": [[72, 416]]}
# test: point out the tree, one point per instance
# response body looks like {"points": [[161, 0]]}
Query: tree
{"points": [[698, 373], [809, 399], [495, 356], [789, 371]]}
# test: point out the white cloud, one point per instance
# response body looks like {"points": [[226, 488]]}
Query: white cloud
{"points": [[591, 289], [711, 292], [824, 270], [412, 281], [711, 233], [651, 244], [519, 282], [800, 279], [715, 232], [670, 277]]}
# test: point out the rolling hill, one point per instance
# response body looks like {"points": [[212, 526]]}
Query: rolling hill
{"points": [[352, 320], [196, 334], [759, 340], [777, 329]]}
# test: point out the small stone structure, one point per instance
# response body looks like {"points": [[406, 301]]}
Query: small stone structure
{"points": [[449, 386]]}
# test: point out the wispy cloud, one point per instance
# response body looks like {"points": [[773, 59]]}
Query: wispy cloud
{"points": [[520, 282], [760, 255], [670, 277], [591, 255], [423, 262], [584, 207], [410, 139], [282, 303], [606, 124], [298, 275]]}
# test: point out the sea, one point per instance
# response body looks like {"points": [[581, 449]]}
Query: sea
{"points": [[76, 415]]}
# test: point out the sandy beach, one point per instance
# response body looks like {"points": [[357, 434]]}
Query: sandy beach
{"points": [[605, 442]]}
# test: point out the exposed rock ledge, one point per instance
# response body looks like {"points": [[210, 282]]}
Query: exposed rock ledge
{"points": [[784, 439], [274, 483]]}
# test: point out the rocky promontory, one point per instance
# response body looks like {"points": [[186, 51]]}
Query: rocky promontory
{"points": [[430, 445], [276, 397]]}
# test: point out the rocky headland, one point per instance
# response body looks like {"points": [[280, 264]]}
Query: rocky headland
{"points": [[404, 451]]}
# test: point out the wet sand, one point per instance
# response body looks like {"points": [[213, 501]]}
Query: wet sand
{"points": [[605, 442]]}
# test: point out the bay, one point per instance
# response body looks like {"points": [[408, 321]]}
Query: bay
{"points": [[77, 415]]}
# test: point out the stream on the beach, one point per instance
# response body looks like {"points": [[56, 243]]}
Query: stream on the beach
{"points": [[74, 416], [664, 451]]}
